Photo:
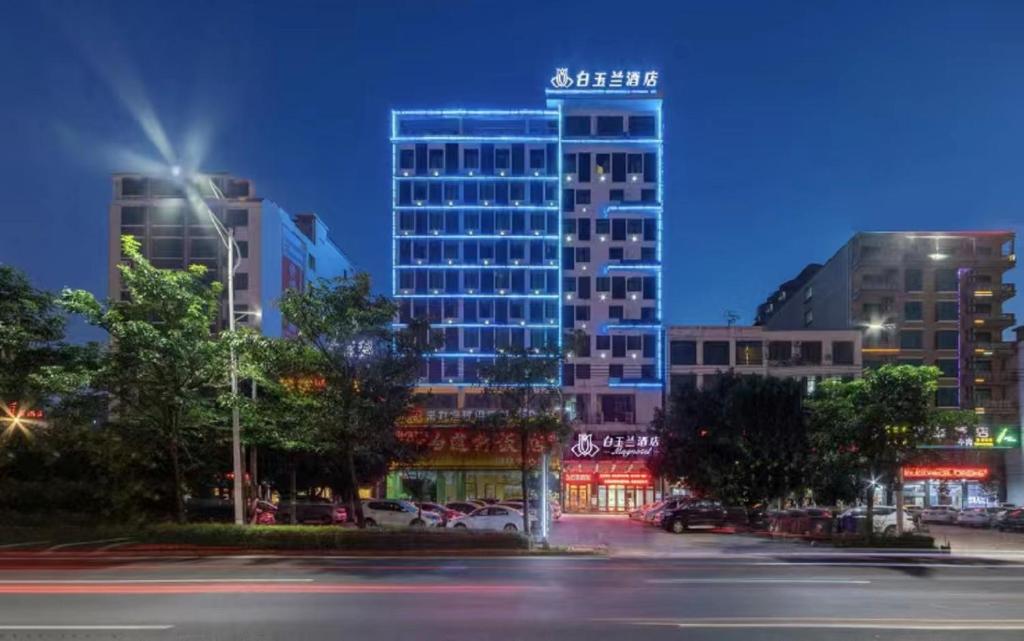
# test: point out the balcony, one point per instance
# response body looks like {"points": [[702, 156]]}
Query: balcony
{"points": [[996, 406], [995, 320], [632, 265], [632, 324], [988, 348]]}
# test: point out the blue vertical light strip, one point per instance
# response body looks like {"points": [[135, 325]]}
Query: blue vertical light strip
{"points": [[559, 308], [394, 202], [659, 343]]}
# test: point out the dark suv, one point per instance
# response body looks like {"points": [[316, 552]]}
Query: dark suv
{"points": [[697, 512]]}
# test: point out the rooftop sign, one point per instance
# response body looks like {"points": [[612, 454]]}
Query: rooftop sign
{"points": [[589, 80]]}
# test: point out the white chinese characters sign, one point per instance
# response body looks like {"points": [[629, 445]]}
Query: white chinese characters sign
{"points": [[618, 79], [590, 446]]}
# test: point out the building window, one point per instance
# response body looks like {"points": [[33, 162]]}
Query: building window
{"points": [[682, 382], [641, 126], [749, 352], [842, 352], [609, 126], [913, 281], [133, 187], [615, 371], [716, 352], [577, 126], [406, 159], [583, 372], [241, 282], [950, 367], [945, 280], [780, 351], [947, 339], [604, 342], [947, 310], [947, 397], [808, 293], [913, 310], [536, 159], [810, 352], [808, 317], [238, 217], [471, 159], [911, 339]]}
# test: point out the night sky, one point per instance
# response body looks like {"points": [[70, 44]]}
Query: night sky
{"points": [[788, 126]]}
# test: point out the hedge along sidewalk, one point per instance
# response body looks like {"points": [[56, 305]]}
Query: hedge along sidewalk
{"points": [[229, 538]]}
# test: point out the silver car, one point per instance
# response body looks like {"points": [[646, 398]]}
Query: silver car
{"points": [[939, 514]]}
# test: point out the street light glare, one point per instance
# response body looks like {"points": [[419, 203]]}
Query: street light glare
{"points": [[175, 171]]}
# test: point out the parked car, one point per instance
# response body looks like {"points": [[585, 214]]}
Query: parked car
{"points": [[638, 513], [320, 511], [443, 511], [462, 507], [1001, 513], [687, 514], [1012, 521], [492, 517], [397, 513], [939, 514], [808, 522], [975, 517], [852, 520], [216, 510], [517, 504], [658, 511]]}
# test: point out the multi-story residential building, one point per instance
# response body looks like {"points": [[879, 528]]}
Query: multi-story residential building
{"points": [[515, 227], [277, 250], [924, 298], [699, 354]]}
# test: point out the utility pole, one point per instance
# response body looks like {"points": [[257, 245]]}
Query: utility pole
{"points": [[236, 427]]}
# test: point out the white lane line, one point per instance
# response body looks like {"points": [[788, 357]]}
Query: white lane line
{"points": [[8, 546], [886, 564], [851, 624], [142, 581], [769, 581], [63, 546], [84, 628]]}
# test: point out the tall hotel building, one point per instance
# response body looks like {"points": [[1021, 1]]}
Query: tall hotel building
{"points": [[514, 228]]}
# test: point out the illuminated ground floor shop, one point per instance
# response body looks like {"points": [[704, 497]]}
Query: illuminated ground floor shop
{"points": [[608, 472]]}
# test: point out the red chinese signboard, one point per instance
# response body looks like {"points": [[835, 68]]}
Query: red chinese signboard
{"points": [[946, 473], [624, 478], [465, 448]]}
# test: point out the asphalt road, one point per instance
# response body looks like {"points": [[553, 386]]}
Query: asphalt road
{"points": [[761, 592]]}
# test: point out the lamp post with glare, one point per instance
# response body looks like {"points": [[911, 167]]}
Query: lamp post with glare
{"points": [[227, 237]]}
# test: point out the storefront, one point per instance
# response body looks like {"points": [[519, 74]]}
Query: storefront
{"points": [[960, 486], [458, 463], [608, 473]]}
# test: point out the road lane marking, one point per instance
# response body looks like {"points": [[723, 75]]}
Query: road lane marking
{"points": [[8, 546], [266, 588], [769, 581], [141, 581], [63, 546], [885, 564], [831, 623], [83, 628]]}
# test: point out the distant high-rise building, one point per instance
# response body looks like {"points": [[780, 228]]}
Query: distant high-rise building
{"points": [[278, 251]]}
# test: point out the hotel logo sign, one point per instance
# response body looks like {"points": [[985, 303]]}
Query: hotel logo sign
{"points": [[618, 79], [624, 446]]}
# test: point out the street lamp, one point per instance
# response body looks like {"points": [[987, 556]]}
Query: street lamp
{"points": [[227, 237]]}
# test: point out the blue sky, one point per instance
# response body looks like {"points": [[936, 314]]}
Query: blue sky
{"points": [[789, 126]]}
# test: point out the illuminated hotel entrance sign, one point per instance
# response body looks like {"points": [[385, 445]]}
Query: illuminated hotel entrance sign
{"points": [[616, 79], [625, 446]]}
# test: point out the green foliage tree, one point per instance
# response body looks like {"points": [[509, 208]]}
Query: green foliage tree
{"points": [[868, 428], [368, 370], [162, 373], [526, 398], [742, 440]]}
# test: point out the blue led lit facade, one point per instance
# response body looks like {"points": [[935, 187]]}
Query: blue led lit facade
{"points": [[476, 215], [516, 228]]}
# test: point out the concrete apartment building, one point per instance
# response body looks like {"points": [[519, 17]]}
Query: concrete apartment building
{"points": [[926, 298], [698, 354], [278, 251]]}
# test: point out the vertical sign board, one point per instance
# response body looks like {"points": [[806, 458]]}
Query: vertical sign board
{"points": [[293, 258]]}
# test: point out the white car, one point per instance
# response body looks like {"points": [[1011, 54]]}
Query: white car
{"points": [[397, 513], [492, 517], [939, 514], [975, 517], [884, 519]]}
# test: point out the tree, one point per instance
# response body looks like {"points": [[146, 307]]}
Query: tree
{"points": [[872, 426], [742, 440], [162, 371], [368, 370], [38, 370], [527, 399]]}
